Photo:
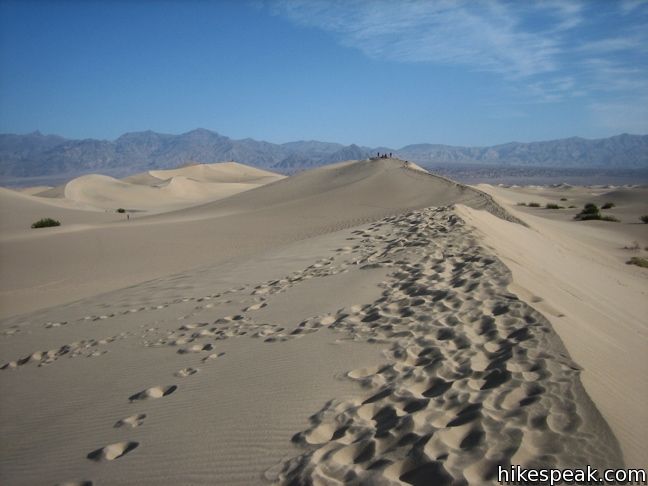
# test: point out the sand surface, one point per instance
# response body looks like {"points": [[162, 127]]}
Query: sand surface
{"points": [[349, 324], [159, 191], [575, 273], [103, 257]]}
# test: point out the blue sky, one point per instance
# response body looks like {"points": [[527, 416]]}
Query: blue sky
{"points": [[368, 72]]}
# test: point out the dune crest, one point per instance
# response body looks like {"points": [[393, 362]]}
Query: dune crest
{"points": [[161, 190], [347, 323]]}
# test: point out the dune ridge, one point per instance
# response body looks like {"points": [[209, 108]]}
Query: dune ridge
{"points": [[162, 190], [305, 205], [470, 376], [346, 324], [576, 274]]}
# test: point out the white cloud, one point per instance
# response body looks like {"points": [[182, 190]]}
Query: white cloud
{"points": [[546, 50], [629, 6], [483, 35]]}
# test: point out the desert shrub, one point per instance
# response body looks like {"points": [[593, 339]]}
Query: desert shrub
{"points": [[563, 198], [121, 210], [639, 261], [632, 246], [45, 223], [608, 205], [533, 205], [644, 219], [572, 207], [553, 206], [587, 217], [590, 211], [521, 204], [607, 217]]}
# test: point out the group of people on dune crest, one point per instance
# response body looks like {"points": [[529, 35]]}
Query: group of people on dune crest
{"points": [[383, 156]]}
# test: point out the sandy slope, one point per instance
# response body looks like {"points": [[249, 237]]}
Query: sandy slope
{"points": [[112, 256], [34, 190], [105, 192], [221, 172], [18, 211], [332, 327], [390, 352], [575, 273], [162, 190]]}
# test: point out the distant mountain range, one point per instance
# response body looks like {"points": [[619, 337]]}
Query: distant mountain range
{"points": [[35, 154]]}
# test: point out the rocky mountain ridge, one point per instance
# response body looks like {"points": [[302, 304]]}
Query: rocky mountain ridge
{"points": [[35, 154]]}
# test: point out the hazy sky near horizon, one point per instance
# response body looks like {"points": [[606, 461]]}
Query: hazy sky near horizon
{"points": [[368, 72]]}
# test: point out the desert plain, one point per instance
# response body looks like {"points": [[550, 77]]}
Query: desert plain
{"points": [[366, 322]]}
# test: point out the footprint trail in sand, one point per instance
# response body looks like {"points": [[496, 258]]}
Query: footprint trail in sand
{"points": [[472, 376]]}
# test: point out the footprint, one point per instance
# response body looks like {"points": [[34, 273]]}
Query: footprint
{"points": [[153, 392], [255, 307], [184, 372], [196, 348], [112, 451], [132, 421]]}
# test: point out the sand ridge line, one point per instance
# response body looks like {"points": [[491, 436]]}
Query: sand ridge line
{"points": [[475, 378]]}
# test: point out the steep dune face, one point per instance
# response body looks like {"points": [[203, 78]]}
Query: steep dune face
{"points": [[312, 203]]}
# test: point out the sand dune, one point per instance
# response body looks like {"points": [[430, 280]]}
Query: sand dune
{"points": [[88, 196], [32, 191], [220, 172], [390, 351], [627, 196], [108, 193], [576, 274], [112, 256], [366, 322], [162, 190], [348, 190], [18, 211]]}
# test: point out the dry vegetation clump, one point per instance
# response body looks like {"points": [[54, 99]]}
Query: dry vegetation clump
{"points": [[592, 212], [639, 261], [45, 223]]}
